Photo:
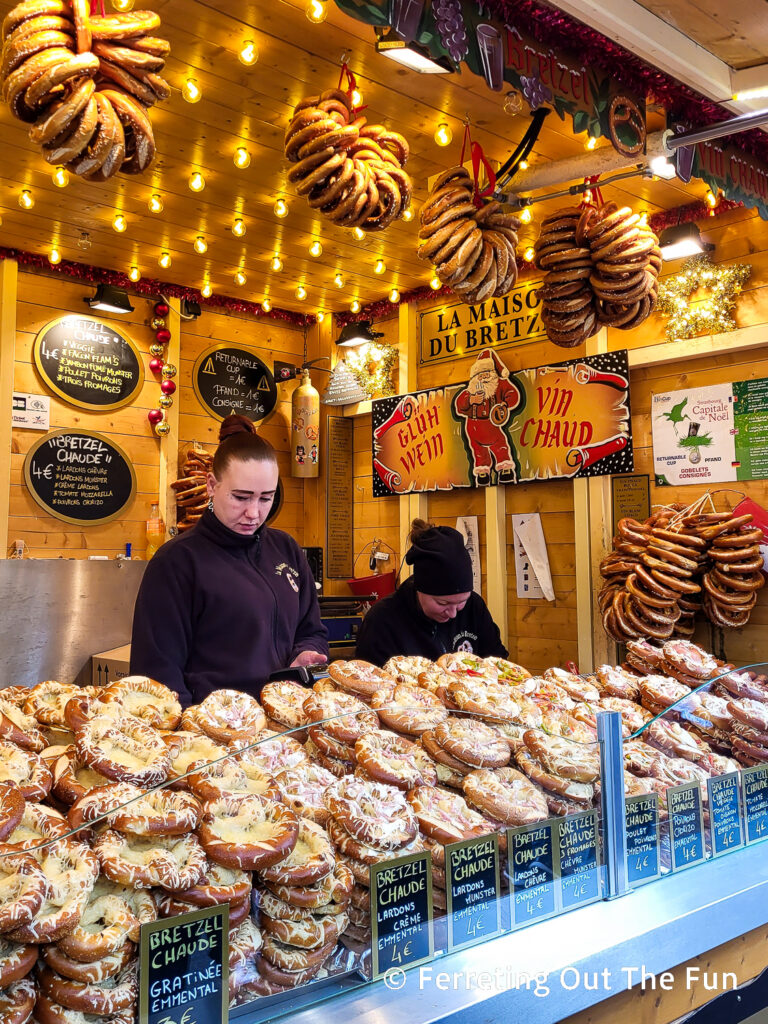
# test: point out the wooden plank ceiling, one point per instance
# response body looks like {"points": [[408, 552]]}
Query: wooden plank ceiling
{"points": [[250, 107], [737, 32]]}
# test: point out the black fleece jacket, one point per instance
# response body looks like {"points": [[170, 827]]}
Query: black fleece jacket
{"points": [[397, 625], [216, 609]]}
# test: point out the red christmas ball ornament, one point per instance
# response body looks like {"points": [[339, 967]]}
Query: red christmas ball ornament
{"points": [[163, 335], [155, 416], [161, 309], [156, 365], [168, 387]]}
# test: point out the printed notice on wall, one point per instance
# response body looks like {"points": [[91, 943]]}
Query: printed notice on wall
{"points": [[339, 558], [30, 412]]}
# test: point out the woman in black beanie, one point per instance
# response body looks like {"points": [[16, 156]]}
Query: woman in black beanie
{"points": [[435, 611]]}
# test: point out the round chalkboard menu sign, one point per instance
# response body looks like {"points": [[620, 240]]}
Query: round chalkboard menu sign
{"points": [[80, 477], [234, 380], [88, 363]]}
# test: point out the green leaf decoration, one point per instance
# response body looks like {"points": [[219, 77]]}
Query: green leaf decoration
{"points": [[580, 121]]}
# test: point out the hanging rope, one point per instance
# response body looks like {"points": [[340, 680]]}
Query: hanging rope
{"points": [[351, 86]]}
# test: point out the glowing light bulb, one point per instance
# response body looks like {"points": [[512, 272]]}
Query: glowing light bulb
{"points": [[379, 267], [54, 256], [526, 216], [240, 278], [357, 98], [276, 264], [523, 165], [320, 316], [443, 134], [249, 53], [197, 182], [529, 254], [26, 200], [301, 293], [201, 245], [242, 158], [134, 274], [316, 249], [711, 199], [339, 280], [591, 142], [281, 208], [60, 177], [394, 295], [408, 214], [119, 223], [206, 291], [435, 283], [155, 204], [266, 305], [165, 260], [238, 227], [122, 5], [354, 306], [316, 12], [191, 91], [358, 233]]}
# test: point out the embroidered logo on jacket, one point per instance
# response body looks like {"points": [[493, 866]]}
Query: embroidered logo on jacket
{"points": [[290, 574], [463, 642]]}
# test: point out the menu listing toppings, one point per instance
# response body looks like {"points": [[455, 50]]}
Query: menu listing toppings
{"points": [[472, 891], [401, 913]]}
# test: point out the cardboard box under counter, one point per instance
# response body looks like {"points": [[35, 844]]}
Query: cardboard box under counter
{"points": [[110, 665]]}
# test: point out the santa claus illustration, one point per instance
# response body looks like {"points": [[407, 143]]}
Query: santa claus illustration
{"points": [[485, 405]]}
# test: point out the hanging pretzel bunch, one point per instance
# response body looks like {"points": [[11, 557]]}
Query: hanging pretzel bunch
{"points": [[191, 488], [84, 82]]}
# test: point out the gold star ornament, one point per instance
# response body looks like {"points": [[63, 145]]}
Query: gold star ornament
{"points": [[713, 314]]}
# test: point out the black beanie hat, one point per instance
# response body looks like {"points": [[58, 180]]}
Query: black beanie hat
{"points": [[441, 563]]}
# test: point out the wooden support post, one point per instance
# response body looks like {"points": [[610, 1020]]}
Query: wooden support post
{"points": [[412, 506], [496, 557], [169, 443], [583, 534], [9, 273], [319, 343]]}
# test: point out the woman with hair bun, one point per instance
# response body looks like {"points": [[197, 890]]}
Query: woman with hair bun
{"points": [[435, 611], [231, 600]]}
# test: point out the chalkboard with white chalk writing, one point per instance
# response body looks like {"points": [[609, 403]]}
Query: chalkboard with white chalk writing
{"points": [[80, 477], [88, 363], [233, 380]]}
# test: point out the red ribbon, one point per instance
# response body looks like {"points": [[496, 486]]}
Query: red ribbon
{"points": [[350, 88], [596, 196], [97, 7], [478, 159]]}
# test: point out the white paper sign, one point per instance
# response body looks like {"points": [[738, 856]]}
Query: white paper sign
{"points": [[528, 584], [694, 435], [31, 412], [467, 527]]}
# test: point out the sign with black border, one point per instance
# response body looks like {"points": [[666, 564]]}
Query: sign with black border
{"points": [[472, 884], [643, 839], [534, 872], [402, 926], [754, 789], [229, 379], [578, 859], [725, 821], [686, 825], [630, 497], [184, 964]]}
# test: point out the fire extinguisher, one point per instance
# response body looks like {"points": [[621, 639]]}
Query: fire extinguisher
{"points": [[305, 428]]}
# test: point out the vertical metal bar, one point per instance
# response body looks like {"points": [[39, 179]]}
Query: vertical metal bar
{"points": [[612, 801]]}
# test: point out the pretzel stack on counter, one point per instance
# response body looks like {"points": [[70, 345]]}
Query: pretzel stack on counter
{"points": [[602, 268], [472, 250], [349, 170], [191, 488], [85, 82], [665, 570]]}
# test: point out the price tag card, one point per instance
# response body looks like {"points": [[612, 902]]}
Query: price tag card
{"points": [[533, 871], [754, 787], [686, 827], [184, 966], [727, 832], [642, 814], [472, 891], [579, 858], [402, 931]]}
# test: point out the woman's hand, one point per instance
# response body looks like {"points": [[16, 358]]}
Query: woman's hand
{"points": [[307, 658]]}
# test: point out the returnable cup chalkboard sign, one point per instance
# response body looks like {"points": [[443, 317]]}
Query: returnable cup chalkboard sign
{"points": [[754, 787], [80, 477], [234, 380], [402, 929], [642, 816], [88, 362], [579, 858], [533, 871], [726, 828], [686, 828], [184, 968], [472, 885]]}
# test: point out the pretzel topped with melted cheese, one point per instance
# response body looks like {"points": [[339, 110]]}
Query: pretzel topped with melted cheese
{"points": [[47, 700], [247, 832], [232, 775], [372, 812], [147, 699], [172, 862], [229, 716], [19, 728], [161, 812], [311, 858], [26, 770], [73, 778], [22, 890], [186, 749], [70, 871], [125, 750], [37, 826]]}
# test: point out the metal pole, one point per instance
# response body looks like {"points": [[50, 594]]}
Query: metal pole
{"points": [[612, 802], [742, 123]]}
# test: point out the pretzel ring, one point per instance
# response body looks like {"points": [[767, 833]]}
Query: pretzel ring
{"points": [[229, 716], [332, 891], [445, 816], [373, 813], [283, 701], [47, 700], [104, 928], [395, 761], [231, 776], [126, 751], [92, 973], [148, 700], [131, 810], [309, 933], [357, 717], [11, 808], [738, 540], [247, 831], [186, 749], [729, 525], [17, 1002], [311, 858], [16, 961], [19, 727], [302, 790], [27, 770], [70, 871], [38, 824], [273, 753], [172, 862], [24, 886], [218, 885], [109, 997]]}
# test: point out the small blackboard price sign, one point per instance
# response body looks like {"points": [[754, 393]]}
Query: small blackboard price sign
{"points": [[88, 363], [754, 787], [686, 828], [533, 868], [642, 815], [472, 891], [234, 380], [79, 477], [402, 931], [725, 813], [184, 968], [579, 859]]}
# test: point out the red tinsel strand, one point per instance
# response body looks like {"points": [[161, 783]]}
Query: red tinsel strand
{"points": [[690, 212], [149, 288]]}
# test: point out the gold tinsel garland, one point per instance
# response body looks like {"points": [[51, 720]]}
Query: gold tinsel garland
{"points": [[371, 366], [713, 315]]}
